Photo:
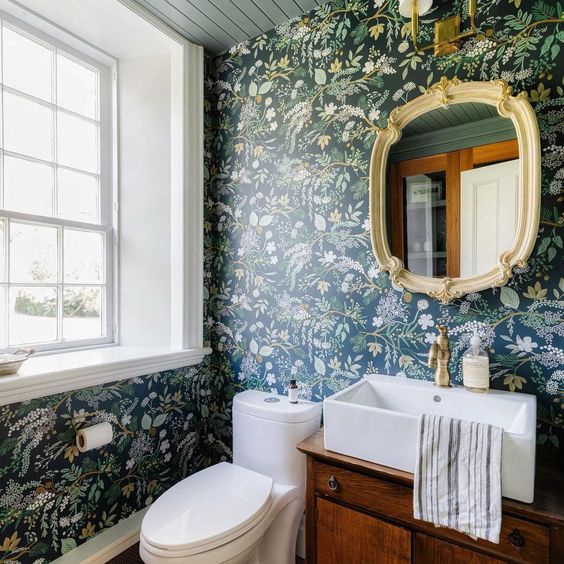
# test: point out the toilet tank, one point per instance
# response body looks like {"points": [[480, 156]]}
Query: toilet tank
{"points": [[266, 430]]}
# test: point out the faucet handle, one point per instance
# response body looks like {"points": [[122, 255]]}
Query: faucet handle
{"points": [[443, 340]]}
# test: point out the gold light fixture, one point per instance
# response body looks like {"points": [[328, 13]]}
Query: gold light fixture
{"points": [[447, 30]]}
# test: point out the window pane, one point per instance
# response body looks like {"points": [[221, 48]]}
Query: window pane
{"points": [[82, 313], [33, 315], [77, 87], [28, 127], [78, 196], [27, 65], [83, 257], [28, 186], [3, 340], [2, 256], [33, 253], [77, 142]]}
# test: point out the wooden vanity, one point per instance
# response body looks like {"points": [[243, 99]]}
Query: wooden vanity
{"points": [[358, 512]]}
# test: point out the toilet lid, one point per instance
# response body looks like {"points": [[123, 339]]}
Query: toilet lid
{"points": [[207, 506]]}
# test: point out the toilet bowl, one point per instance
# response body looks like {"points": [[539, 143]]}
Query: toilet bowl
{"points": [[245, 512]]}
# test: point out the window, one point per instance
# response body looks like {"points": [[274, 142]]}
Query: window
{"points": [[159, 156], [56, 234]]}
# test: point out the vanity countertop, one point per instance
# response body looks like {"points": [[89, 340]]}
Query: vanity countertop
{"points": [[548, 506]]}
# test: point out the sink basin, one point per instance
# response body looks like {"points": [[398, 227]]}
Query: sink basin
{"points": [[376, 420]]}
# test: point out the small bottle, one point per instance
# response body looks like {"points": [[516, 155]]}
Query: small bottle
{"points": [[293, 392], [476, 367]]}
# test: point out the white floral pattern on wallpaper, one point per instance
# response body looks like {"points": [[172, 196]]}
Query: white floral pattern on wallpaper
{"points": [[295, 291]]}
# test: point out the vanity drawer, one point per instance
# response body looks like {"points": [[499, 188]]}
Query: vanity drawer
{"points": [[377, 496], [520, 540]]}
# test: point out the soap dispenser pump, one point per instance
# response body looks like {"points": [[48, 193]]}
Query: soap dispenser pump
{"points": [[476, 366]]}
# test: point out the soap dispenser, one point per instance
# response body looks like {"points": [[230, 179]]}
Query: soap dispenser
{"points": [[293, 392], [476, 366]]}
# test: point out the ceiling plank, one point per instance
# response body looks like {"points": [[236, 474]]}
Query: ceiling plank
{"points": [[217, 15], [290, 8], [201, 20], [238, 17], [307, 5], [180, 23], [221, 24], [253, 12], [272, 10]]}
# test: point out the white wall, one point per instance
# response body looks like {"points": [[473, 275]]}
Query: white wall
{"points": [[144, 218]]}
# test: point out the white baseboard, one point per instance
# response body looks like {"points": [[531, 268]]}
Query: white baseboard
{"points": [[115, 540], [108, 544]]}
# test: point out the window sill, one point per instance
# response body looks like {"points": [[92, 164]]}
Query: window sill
{"points": [[62, 372]]}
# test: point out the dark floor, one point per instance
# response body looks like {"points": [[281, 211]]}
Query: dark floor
{"points": [[131, 556]]}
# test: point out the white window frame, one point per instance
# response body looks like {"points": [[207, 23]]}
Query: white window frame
{"points": [[107, 193], [131, 356]]}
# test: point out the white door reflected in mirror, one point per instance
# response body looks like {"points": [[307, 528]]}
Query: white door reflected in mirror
{"points": [[489, 205]]}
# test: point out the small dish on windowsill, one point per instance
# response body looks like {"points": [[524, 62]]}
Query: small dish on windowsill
{"points": [[10, 363]]}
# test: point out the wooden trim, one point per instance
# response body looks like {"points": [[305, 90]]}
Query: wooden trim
{"points": [[557, 543], [466, 159], [495, 152], [310, 513], [423, 165], [454, 91], [453, 214], [397, 212]]}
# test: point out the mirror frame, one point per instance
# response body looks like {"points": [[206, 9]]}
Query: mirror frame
{"points": [[442, 94]]}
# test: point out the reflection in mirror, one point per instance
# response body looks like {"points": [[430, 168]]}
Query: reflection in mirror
{"points": [[453, 191]]}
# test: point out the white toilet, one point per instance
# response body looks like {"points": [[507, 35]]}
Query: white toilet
{"points": [[245, 512]]}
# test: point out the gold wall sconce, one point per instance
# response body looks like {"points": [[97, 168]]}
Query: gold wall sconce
{"points": [[447, 31]]}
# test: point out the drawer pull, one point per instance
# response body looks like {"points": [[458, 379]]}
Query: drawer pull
{"points": [[516, 539], [333, 484]]}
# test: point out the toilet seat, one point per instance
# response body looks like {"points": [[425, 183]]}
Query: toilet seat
{"points": [[206, 510]]}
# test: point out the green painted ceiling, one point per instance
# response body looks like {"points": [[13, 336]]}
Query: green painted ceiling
{"points": [[456, 114], [220, 24]]}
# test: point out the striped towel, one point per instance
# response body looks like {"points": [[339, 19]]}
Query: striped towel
{"points": [[457, 480]]}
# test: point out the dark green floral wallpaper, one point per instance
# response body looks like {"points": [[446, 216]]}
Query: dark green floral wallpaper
{"points": [[52, 498], [295, 290]]}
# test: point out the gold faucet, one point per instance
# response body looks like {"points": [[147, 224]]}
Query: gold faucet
{"points": [[439, 355]]}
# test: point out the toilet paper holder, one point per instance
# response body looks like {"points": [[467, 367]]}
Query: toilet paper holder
{"points": [[92, 436]]}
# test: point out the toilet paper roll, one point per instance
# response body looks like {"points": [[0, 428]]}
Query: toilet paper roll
{"points": [[94, 436]]}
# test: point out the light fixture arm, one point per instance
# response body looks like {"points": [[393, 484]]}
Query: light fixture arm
{"points": [[447, 31], [415, 22], [472, 12]]}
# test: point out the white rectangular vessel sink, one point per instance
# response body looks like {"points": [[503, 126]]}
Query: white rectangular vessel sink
{"points": [[376, 419]]}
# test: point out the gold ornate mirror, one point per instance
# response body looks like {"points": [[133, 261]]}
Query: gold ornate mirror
{"points": [[455, 188]]}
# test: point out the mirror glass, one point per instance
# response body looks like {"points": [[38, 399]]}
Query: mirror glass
{"points": [[453, 191]]}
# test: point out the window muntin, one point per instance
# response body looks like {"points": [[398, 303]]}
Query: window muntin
{"points": [[56, 246]]}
